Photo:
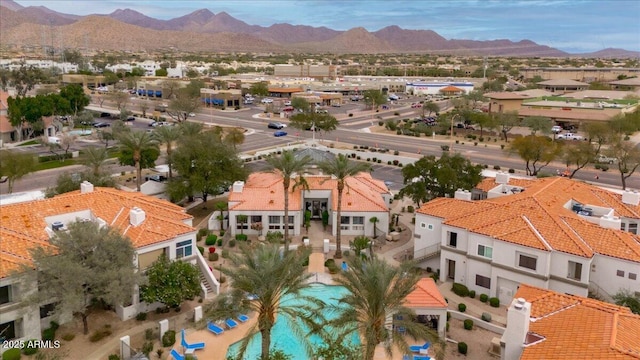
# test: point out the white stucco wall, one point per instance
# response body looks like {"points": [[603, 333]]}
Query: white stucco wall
{"points": [[604, 274], [27, 318]]}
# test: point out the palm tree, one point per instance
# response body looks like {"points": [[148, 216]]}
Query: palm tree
{"points": [[234, 137], [137, 142], [94, 159], [342, 168], [287, 277], [189, 129], [222, 207], [374, 220], [377, 291], [286, 165], [167, 135]]}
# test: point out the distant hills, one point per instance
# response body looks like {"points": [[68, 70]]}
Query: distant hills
{"points": [[202, 30]]}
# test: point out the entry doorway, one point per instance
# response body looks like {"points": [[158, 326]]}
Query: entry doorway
{"points": [[316, 207], [451, 269]]}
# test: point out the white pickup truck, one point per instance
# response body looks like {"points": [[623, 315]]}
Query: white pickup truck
{"points": [[569, 136], [603, 159]]}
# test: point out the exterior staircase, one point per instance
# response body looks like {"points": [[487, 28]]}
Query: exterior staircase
{"points": [[206, 284], [427, 253]]}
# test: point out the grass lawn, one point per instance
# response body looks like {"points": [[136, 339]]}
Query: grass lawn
{"points": [[54, 164], [30, 142]]}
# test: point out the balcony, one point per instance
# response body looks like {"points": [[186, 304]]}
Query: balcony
{"points": [[426, 253]]}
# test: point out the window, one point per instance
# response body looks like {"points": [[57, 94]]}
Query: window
{"points": [[423, 225], [345, 220], [8, 330], [274, 219], [256, 219], [633, 276], [291, 222], [430, 227], [575, 270], [242, 225], [620, 273], [453, 239], [46, 310], [5, 294], [485, 251], [633, 228], [184, 249], [527, 262], [483, 281], [358, 220]]}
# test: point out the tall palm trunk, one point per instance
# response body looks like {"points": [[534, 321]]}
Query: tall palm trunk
{"points": [[136, 160], [266, 343], [339, 222], [286, 184], [169, 160]]}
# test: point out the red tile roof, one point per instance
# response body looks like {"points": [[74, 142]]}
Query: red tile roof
{"points": [[264, 191], [426, 294], [537, 218], [22, 225], [575, 327]]}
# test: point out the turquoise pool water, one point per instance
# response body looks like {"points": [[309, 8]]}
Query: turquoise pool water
{"points": [[80, 132], [281, 337]]}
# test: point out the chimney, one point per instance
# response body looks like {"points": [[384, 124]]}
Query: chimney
{"points": [[136, 216], [513, 339], [631, 197], [502, 178], [462, 195], [86, 187], [238, 186]]}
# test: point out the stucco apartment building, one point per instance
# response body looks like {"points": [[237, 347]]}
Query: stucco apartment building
{"points": [[155, 227], [554, 233], [587, 74], [261, 199], [544, 324]]}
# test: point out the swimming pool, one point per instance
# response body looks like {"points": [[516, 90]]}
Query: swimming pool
{"points": [[80, 132], [281, 337]]}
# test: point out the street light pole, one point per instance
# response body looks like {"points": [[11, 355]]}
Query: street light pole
{"points": [[451, 141]]}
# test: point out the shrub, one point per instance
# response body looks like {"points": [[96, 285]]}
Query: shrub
{"points": [[169, 338], [48, 334], [379, 161], [410, 208], [511, 171], [462, 348], [475, 143], [232, 243], [219, 241], [222, 279], [221, 233], [212, 250], [597, 166], [211, 240], [494, 302], [11, 354], [30, 347], [472, 294], [502, 146], [346, 253], [54, 325], [448, 316], [201, 249], [396, 152], [114, 357], [68, 337], [213, 257], [447, 327], [350, 115], [241, 237], [496, 167], [380, 123], [481, 139], [202, 233], [329, 262], [148, 334], [141, 316], [462, 307], [99, 335], [225, 253], [484, 298], [460, 289], [468, 324], [147, 348], [486, 317]]}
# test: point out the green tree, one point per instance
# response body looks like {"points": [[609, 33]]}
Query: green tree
{"points": [[538, 123], [374, 98], [67, 182], [506, 121], [235, 137], [287, 277], [628, 156], [168, 135], [429, 178], [301, 104], [205, 164], [536, 151], [91, 264], [94, 159], [76, 97], [183, 104], [25, 113], [376, 292], [374, 220], [342, 168], [314, 121], [360, 243], [221, 206], [15, 165], [138, 149], [628, 299], [161, 72], [286, 165], [430, 107], [582, 153], [170, 282], [482, 120], [259, 89], [24, 79]]}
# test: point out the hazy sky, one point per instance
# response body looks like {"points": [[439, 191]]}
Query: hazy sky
{"points": [[570, 25]]}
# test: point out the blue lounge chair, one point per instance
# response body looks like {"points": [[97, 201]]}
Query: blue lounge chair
{"points": [[176, 355], [243, 318], [421, 357], [215, 328], [345, 267], [194, 346], [231, 323], [417, 348], [406, 357]]}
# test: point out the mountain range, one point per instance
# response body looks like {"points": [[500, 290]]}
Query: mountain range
{"points": [[202, 30]]}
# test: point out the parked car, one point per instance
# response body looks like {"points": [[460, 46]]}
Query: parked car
{"points": [[280, 133], [287, 103], [101, 125], [160, 123], [276, 125], [4, 179], [105, 115], [288, 109], [267, 101], [157, 178], [416, 105], [569, 136], [603, 159], [131, 118], [556, 129]]}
